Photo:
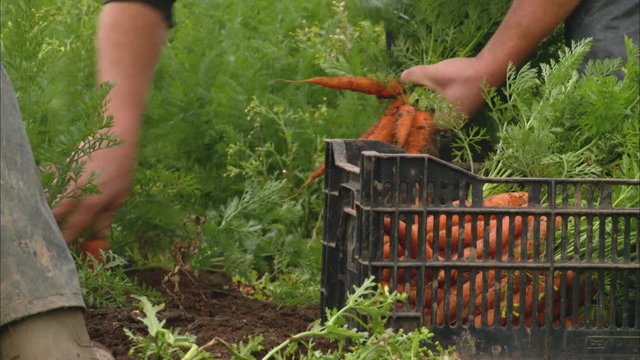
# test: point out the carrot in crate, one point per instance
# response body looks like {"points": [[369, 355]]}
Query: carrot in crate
{"points": [[402, 233], [516, 198]]}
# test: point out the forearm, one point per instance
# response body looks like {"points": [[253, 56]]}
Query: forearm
{"points": [[130, 37], [526, 24]]}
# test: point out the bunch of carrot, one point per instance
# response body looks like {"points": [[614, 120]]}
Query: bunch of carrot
{"points": [[401, 124], [461, 291]]}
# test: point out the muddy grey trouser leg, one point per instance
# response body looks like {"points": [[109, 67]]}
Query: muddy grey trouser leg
{"points": [[37, 273], [41, 307], [53, 335]]}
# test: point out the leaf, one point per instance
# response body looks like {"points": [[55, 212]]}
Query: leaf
{"points": [[151, 319]]}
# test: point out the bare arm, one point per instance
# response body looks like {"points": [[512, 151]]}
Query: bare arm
{"points": [[130, 37], [526, 24], [460, 80]]}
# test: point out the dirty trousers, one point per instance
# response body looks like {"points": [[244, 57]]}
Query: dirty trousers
{"points": [[37, 273]]}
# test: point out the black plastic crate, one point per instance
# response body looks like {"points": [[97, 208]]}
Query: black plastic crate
{"points": [[581, 297]]}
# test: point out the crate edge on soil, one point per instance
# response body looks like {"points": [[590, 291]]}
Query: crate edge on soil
{"points": [[369, 182]]}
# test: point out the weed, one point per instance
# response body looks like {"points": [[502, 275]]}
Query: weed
{"points": [[357, 331], [160, 343], [104, 282]]}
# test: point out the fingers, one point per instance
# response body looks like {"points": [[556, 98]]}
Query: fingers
{"points": [[419, 75], [77, 216], [60, 211], [102, 224], [75, 223]]}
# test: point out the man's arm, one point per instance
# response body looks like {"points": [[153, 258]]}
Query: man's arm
{"points": [[460, 80], [130, 37]]}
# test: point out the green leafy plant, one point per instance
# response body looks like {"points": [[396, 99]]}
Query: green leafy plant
{"points": [[104, 282], [556, 122], [344, 47], [285, 287], [64, 113], [428, 31], [356, 331], [161, 343]]}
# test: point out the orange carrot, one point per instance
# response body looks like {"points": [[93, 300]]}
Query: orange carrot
{"points": [[406, 115], [370, 133], [490, 318], [402, 228], [386, 125], [94, 246], [455, 235], [422, 139], [518, 198], [319, 171], [361, 84]]}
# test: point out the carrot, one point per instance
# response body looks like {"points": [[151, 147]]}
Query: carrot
{"points": [[402, 233], [568, 322], [518, 198], [406, 114], [498, 200], [491, 296], [386, 125], [440, 313], [319, 171], [455, 235], [94, 246], [360, 84], [504, 241], [490, 319], [369, 134], [422, 137], [386, 248]]}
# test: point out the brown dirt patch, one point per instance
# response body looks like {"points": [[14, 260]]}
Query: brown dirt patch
{"points": [[207, 308]]}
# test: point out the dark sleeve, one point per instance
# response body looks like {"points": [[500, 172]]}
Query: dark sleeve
{"points": [[164, 6]]}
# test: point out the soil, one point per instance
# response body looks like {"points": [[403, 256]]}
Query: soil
{"points": [[209, 306]]}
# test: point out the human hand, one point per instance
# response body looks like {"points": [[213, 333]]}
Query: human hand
{"points": [[459, 80], [113, 169]]}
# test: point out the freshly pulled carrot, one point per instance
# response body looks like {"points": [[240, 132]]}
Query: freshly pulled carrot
{"points": [[319, 171], [406, 114], [360, 84], [421, 139], [385, 131], [94, 246], [373, 130]]}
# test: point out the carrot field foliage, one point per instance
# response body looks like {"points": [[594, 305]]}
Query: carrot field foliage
{"points": [[42, 43], [223, 138], [227, 141]]}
